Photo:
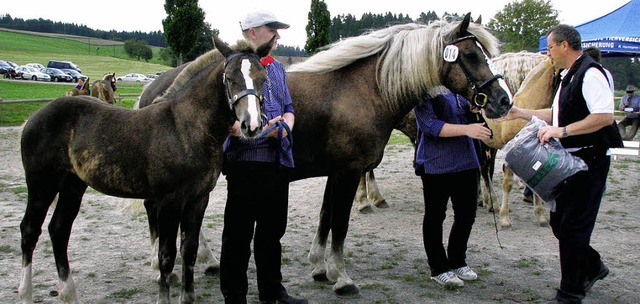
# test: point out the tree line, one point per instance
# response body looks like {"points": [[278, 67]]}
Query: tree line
{"points": [[47, 26]]}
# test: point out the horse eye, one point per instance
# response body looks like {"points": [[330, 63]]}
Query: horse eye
{"points": [[471, 57]]}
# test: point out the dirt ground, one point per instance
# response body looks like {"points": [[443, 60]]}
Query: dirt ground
{"points": [[109, 250]]}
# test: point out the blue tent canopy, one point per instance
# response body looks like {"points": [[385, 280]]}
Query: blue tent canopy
{"points": [[615, 34]]}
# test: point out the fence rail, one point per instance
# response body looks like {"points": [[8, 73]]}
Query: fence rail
{"points": [[118, 98]]}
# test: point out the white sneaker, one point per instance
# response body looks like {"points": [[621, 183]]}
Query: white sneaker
{"points": [[465, 273], [448, 278]]}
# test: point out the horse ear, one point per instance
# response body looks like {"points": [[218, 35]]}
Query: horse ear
{"points": [[479, 20], [221, 46], [464, 25], [265, 48]]}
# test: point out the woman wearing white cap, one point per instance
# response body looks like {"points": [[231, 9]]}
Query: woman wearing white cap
{"points": [[258, 183]]}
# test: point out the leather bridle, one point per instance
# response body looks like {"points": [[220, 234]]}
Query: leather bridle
{"points": [[480, 99], [233, 98]]}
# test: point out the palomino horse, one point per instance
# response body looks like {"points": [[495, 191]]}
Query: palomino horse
{"points": [[514, 67], [362, 88], [536, 92], [105, 88], [84, 90], [349, 97], [64, 150]]}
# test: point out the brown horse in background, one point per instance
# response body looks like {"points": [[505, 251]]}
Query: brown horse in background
{"points": [[105, 89]]}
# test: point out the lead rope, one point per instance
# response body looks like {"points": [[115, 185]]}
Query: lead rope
{"points": [[479, 118]]}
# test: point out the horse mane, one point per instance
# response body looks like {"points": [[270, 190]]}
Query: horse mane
{"points": [[515, 66], [411, 57], [203, 61]]}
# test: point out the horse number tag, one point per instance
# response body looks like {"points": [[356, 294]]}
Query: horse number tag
{"points": [[451, 53]]}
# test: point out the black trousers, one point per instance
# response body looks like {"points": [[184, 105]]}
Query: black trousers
{"points": [[257, 200], [462, 188], [573, 222]]}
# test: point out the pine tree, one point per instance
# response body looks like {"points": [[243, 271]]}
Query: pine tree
{"points": [[318, 28], [183, 16]]}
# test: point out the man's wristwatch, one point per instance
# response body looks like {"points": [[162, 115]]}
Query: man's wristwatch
{"points": [[564, 132]]}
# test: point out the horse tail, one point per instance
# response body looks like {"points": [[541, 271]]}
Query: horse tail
{"points": [[102, 93]]}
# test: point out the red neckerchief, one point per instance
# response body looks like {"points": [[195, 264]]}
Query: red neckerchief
{"points": [[267, 60]]}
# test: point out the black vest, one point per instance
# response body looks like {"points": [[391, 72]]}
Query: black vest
{"points": [[573, 107]]}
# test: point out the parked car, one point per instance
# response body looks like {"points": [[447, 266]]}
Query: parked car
{"points": [[5, 67], [37, 66], [11, 73], [63, 65], [57, 75], [75, 74], [32, 73], [134, 77]]}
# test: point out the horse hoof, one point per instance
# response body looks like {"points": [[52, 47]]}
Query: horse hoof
{"points": [[366, 209], [349, 290], [320, 277], [211, 270], [382, 204]]}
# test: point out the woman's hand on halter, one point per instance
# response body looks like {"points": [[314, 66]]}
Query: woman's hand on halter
{"points": [[478, 131], [274, 132]]}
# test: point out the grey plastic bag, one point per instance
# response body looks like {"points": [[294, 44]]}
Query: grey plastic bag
{"points": [[543, 168]]}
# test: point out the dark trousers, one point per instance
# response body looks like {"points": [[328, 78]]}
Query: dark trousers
{"points": [[462, 188], [257, 199], [573, 221]]}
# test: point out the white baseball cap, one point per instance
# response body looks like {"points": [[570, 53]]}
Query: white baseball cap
{"points": [[260, 18]]}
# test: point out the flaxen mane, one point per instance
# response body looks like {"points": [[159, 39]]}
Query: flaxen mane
{"points": [[406, 65], [515, 66]]}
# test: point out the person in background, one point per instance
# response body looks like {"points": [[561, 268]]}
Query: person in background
{"points": [[595, 53], [629, 104], [447, 163], [257, 173], [581, 117]]}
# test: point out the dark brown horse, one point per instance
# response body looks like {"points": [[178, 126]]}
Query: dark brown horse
{"points": [[349, 97], [65, 149], [362, 88], [105, 88]]}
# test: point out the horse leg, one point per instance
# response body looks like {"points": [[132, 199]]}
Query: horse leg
{"points": [[152, 218], [507, 184], [190, 227], [40, 197], [319, 244], [373, 192], [343, 189], [538, 211], [361, 200], [60, 230], [169, 215]]}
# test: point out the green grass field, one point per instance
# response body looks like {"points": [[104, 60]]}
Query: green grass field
{"points": [[24, 48]]}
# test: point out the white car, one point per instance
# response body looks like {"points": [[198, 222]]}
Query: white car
{"points": [[37, 66], [32, 73], [134, 77]]}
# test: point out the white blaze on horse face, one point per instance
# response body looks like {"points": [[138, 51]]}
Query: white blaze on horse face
{"points": [[253, 102], [501, 81]]}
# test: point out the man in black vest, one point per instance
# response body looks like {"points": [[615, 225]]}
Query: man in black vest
{"points": [[582, 118]]}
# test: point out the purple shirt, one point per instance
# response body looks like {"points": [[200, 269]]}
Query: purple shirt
{"points": [[277, 101], [438, 155]]}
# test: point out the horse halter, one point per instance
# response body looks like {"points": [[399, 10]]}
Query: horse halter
{"points": [[231, 98], [451, 55]]}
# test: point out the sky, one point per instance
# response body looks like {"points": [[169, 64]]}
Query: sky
{"points": [[147, 15]]}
